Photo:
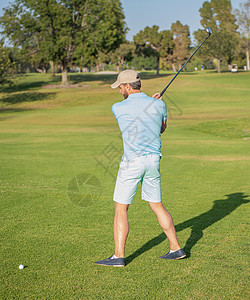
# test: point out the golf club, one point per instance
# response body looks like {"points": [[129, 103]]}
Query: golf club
{"points": [[209, 31]]}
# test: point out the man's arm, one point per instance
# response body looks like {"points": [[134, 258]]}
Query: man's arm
{"points": [[164, 123], [163, 126]]}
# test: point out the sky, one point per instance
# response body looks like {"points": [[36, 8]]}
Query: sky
{"points": [[142, 13]]}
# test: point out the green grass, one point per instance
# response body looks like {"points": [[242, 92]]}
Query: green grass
{"points": [[51, 137]]}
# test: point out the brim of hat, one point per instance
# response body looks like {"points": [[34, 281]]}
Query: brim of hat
{"points": [[115, 84]]}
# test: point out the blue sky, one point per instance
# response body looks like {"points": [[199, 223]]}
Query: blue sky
{"points": [[142, 13]]}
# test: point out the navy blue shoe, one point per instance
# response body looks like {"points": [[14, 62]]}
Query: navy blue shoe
{"points": [[112, 262], [174, 255]]}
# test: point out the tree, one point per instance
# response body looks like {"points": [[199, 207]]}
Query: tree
{"points": [[65, 30], [167, 47], [181, 42], [123, 54], [141, 62], [223, 44], [105, 29], [7, 67], [243, 20], [25, 31], [151, 42]]}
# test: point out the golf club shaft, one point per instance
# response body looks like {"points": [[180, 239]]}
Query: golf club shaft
{"points": [[164, 90]]}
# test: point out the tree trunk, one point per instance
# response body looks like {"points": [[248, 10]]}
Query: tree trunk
{"points": [[173, 67], [98, 67], [179, 66], [52, 67], [247, 55], [64, 76], [122, 63], [229, 67], [158, 66], [218, 66], [117, 68]]}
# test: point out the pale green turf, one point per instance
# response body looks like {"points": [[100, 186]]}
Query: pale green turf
{"points": [[49, 136]]}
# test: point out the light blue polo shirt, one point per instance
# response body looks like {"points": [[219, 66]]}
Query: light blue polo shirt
{"points": [[140, 119]]}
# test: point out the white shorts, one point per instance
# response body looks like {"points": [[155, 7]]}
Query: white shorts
{"points": [[144, 169]]}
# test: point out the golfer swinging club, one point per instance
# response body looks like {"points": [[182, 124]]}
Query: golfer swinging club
{"points": [[141, 119]]}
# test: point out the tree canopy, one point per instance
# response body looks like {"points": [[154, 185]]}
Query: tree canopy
{"points": [[223, 44], [65, 30], [151, 42], [181, 42], [7, 66], [80, 34], [243, 20]]}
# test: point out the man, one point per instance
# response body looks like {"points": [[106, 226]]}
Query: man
{"points": [[141, 119]]}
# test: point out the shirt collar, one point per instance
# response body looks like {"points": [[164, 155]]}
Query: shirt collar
{"points": [[131, 96]]}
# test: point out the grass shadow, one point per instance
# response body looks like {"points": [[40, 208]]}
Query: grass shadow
{"points": [[28, 85], [108, 78], [145, 75], [74, 78], [26, 97], [220, 209], [7, 110], [5, 118], [104, 78]]}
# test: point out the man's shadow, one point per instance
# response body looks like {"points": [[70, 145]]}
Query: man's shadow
{"points": [[220, 210]]}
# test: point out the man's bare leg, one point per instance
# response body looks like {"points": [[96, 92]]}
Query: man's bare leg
{"points": [[121, 228], [166, 223]]}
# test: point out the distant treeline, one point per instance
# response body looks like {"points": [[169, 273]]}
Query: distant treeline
{"points": [[80, 36]]}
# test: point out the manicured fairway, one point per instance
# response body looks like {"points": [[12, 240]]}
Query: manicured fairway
{"points": [[60, 152]]}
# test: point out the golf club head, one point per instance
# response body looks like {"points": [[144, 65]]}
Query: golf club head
{"points": [[209, 30]]}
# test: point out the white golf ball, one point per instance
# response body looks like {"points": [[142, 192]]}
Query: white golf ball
{"points": [[21, 267]]}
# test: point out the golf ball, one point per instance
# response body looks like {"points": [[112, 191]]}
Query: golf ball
{"points": [[21, 267]]}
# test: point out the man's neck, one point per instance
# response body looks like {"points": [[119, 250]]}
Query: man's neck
{"points": [[134, 91]]}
